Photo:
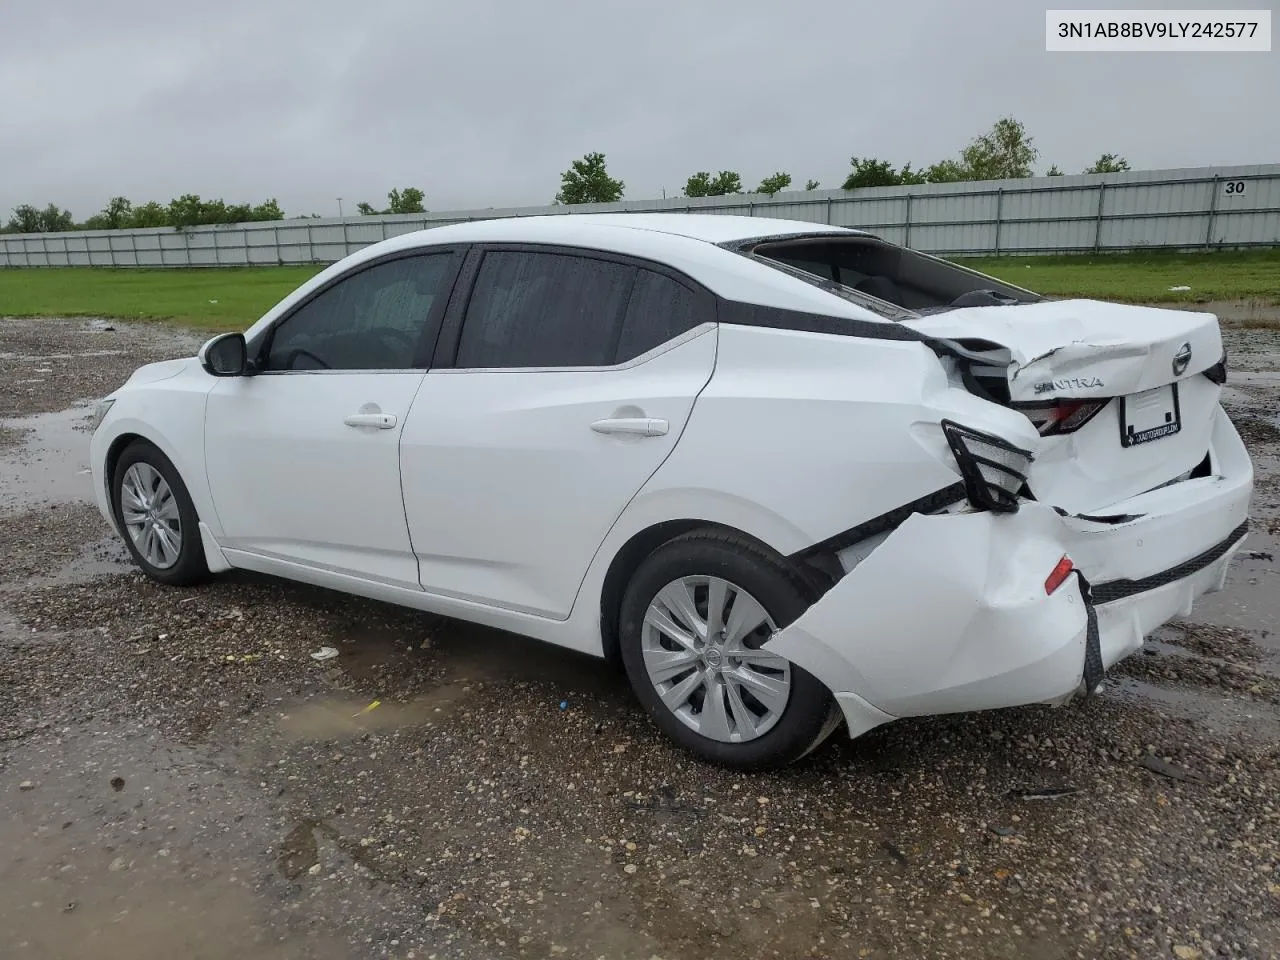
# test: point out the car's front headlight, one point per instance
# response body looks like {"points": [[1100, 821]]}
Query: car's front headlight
{"points": [[99, 412]]}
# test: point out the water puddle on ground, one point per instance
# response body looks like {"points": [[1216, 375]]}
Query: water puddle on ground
{"points": [[1251, 601], [50, 461], [1220, 713], [334, 718]]}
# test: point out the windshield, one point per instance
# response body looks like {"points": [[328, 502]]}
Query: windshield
{"points": [[894, 281]]}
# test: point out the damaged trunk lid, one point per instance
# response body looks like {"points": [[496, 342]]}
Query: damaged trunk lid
{"points": [[1124, 396]]}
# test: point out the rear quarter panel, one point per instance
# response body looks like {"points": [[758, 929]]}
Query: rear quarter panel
{"points": [[799, 436]]}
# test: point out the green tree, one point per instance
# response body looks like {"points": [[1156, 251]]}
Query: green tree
{"points": [[1109, 163], [267, 210], [185, 211], [25, 219], [408, 200], [811, 185], [703, 184], [774, 184], [588, 181], [946, 171], [117, 214], [870, 172], [1053, 171], [907, 175], [150, 214], [1003, 152], [53, 219]]}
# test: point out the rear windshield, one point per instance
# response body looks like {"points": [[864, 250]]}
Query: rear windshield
{"points": [[875, 273]]}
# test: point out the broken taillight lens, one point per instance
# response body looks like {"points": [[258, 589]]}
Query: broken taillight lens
{"points": [[994, 470], [1061, 416]]}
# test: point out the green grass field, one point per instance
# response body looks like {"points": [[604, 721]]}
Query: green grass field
{"points": [[1145, 277], [228, 298], [232, 298]]}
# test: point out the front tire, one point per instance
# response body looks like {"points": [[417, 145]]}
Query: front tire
{"points": [[691, 626], [156, 516]]}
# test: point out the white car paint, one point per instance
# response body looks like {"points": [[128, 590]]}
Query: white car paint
{"points": [[289, 433], [511, 453], [1085, 348], [492, 499]]}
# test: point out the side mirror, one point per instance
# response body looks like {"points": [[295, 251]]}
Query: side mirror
{"points": [[225, 356]]}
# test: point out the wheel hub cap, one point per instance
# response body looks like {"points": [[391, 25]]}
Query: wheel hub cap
{"points": [[149, 510], [701, 647]]}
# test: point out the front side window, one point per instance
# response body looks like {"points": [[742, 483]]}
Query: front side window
{"points": [[544, 310], [372, 320]]}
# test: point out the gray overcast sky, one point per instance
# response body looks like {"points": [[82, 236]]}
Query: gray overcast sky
{"points": [[484, 102]]}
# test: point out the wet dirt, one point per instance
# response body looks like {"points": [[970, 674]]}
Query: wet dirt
{"points": [[178, 776]]}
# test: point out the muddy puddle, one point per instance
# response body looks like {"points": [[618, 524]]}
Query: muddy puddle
{"points": [[48, 459]]}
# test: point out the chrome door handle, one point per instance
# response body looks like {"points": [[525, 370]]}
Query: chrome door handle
{"points": [[383, 421], [632, 426]]}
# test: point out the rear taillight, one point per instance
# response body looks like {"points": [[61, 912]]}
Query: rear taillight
{"points": [[1218, 372], [994, 470], [1061, 416]]}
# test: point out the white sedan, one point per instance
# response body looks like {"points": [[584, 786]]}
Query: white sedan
{"points": [[791, 475]]}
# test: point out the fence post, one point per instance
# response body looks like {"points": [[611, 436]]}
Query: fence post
{"points": [[383, 225], [1213, 207], [346, 240], [311, 246], [217, 250], [999, 212], [133, 246], [1097, 225], [828, 211], [906, 239], [44, 245]]}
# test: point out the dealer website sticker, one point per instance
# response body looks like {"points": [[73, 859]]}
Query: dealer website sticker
{"points": [[1158, 31]]}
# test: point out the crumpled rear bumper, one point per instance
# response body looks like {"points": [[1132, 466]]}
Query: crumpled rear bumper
{"points": [[950, 613]]}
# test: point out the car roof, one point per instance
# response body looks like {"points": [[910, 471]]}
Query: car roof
{"points": [[687, 242], [711, 228]]}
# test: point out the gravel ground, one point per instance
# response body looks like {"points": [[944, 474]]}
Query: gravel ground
{"points": [[179, 778]]}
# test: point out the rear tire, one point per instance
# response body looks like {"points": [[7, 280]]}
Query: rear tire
{"points": [[700, 672], [156, 517]]}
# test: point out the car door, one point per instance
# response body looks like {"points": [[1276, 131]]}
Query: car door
{"points": [[572, 378], [303, 456]]}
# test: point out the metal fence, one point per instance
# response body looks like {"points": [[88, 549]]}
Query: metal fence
{"points": [[1209, 208]]}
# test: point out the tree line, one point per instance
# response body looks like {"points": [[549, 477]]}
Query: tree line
{"points": [[1005, 151], [188, 210]]}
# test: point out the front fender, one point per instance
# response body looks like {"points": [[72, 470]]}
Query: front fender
{"points": [[170, 415]]}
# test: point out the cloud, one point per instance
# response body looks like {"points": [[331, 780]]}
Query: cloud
{"points": [[484, 103]]}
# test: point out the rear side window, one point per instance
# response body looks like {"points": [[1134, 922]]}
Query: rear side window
{"points": [[660, 310], [544, 310]]}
